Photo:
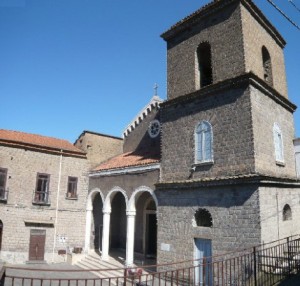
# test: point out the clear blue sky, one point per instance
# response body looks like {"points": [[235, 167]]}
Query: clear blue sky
{"points": [[73, 65]]}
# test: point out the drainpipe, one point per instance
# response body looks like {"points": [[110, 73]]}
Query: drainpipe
{"points": [[57, 201], [277, 215]]}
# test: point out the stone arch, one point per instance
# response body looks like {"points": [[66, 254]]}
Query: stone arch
{"points": [[91, 196], [135, 195], [93, 229], [145, 236], [110, 196], [115, 205]]}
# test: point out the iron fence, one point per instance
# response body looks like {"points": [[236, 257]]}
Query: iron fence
{"points": [[264, 265]]}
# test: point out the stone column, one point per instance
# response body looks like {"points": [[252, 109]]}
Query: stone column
{"points": [[130, 237], [105, 234], [88, 225]]}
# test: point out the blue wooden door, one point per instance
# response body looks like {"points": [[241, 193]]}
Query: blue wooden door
{"points": [[203, 267]]}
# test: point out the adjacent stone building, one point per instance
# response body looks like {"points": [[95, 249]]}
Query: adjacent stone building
{"points": [[98, 147], [43, 190]]}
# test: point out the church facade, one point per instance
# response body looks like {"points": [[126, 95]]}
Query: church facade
{"points": [[213, 166], [210, 170]]}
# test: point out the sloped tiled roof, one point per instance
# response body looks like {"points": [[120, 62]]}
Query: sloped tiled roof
{"points": [[38, 142], [129, 159]]}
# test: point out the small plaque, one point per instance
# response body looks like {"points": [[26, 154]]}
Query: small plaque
{"points": [[165, 247]]}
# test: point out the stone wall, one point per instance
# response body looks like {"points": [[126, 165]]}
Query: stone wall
{"points": [[139, 140], [23, 166], [128, 182], [255, 36], [99, 147], [223, 32], [235, 217], [272, 202], [229, 112], [266, 112]]}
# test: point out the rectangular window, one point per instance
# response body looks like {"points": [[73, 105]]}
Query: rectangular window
{"points": [[3, 191], [41, 194], [72, 188]]}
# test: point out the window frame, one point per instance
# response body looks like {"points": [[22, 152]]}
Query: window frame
{"points": [[3, 189], [44, 195], [278, 144], [210, 160], [72, 194]]}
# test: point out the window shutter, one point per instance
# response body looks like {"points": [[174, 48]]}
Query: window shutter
{"points": [[278, 143], [207, 145], [199, 146]]}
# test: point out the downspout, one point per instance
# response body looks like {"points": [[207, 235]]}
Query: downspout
{"points": [[56, 209], [277, 216]]}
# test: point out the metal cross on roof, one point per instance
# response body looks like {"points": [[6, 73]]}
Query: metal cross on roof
{"points": [[155, 88]]}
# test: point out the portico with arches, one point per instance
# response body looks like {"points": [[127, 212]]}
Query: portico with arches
{"points": [[116, 221]]}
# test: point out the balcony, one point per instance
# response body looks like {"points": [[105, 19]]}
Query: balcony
{"points": [[41, 198], [71, 196], [3, 195]]}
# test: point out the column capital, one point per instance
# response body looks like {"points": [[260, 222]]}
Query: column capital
{"points": [[130, 213], [106, 211]]}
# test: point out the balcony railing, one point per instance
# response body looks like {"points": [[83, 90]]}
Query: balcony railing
{"points": [[71, 196], [3, 195], [41, 198]]}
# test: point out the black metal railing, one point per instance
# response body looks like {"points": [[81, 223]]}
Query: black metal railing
{"points": [[263, 265], [3, 194], [41, 198]]}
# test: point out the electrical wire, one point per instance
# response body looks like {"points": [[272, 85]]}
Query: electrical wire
{"points": [[295, 6], [283, 14]]}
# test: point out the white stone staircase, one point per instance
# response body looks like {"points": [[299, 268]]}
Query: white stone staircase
{"points": [[113, 267], [102, 268]]}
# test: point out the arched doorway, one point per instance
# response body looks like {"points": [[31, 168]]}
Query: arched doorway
{"points": [[97, 227], [118, 222], [145, 239], [150, 229]]}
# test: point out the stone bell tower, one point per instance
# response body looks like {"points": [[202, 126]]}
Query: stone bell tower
{"points": [[227, 132]]}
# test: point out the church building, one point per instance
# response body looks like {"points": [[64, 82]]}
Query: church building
{"points": [[211, 169]]}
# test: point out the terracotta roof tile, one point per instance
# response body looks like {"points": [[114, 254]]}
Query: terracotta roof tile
{"points": [[21, 138], [128, 159]]}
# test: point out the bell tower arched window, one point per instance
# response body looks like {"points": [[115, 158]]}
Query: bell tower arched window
{"points": [[204, 68], [203, 142], [267, 66]]}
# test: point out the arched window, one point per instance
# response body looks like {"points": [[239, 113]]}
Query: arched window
{"points": [[267, 66], [278, 143], [204, 69], [203, 142], [286, 213], [203, 218]]}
